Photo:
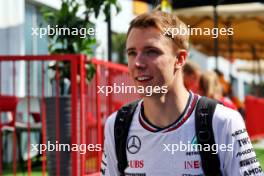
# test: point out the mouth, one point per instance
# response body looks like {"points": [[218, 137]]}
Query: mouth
{"points": [[143, 78]]}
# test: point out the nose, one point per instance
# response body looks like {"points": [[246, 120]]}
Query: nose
{"points": [[139, 62]]}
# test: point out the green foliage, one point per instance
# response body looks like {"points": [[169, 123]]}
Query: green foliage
{"points": [[119, 47], [96, 6], [66, 17], [260, 156]]}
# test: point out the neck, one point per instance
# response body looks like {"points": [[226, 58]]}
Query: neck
{"points": [[165, 109]]}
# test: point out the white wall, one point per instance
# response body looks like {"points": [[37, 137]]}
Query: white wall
{"points": [[12, 17], [50, 3]]}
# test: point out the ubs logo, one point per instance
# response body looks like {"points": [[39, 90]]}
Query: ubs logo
{"points": [[133, 144]]}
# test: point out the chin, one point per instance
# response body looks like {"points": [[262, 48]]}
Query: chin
{"points": [[153, 95], [142, 96]]}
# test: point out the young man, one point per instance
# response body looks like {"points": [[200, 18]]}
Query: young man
{"points": [[164, 121]]}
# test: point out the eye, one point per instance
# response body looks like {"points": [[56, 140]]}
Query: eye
{"points": [[131, 53], [152, 52]]}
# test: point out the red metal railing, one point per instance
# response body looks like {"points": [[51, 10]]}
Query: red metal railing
{"points": [[89, 108], [75, 61], [107, 74]]}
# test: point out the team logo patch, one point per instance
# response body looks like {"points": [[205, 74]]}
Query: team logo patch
{"points": [[133, 144]]}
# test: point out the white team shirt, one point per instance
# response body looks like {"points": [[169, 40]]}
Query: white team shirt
{"points": [[154, 151]]}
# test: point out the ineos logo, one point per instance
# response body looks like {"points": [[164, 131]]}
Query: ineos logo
{"points": [[133, 144]]}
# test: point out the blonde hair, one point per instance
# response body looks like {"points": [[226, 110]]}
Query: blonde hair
{"points": [[210, 85], [162, 21]]}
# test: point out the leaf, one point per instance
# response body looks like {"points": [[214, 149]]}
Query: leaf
{"points": [[118, 8], [90, 71], [66, 17], [107, 11]]}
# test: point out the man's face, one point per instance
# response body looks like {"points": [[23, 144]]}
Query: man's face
{"points": [[151, 58]]}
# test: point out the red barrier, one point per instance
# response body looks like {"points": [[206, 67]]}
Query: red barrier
{"points": [[8, 104], [89, 108], [75, 113], [255, 117], [100, 106]]}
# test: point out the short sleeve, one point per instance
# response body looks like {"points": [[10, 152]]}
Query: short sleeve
{"points": [[236, 153]]}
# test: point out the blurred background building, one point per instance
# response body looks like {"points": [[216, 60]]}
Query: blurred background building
{"points": [[19, 17]]}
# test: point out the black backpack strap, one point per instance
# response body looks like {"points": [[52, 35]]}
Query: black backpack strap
{"points": [[122, 123], [204, 131]]}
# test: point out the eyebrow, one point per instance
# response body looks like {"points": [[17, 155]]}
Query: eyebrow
{"points": [[129, 49], [151, 47], [146, 47]]}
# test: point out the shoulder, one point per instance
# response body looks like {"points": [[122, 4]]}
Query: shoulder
{"points": [[227, 120], [226, 114], [222, 114], [110, 122]]}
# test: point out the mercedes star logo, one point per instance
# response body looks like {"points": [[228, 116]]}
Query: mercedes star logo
{"points": [[133, 144]]}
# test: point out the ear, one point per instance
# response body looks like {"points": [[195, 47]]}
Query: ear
{"points": [[181, 58]]}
